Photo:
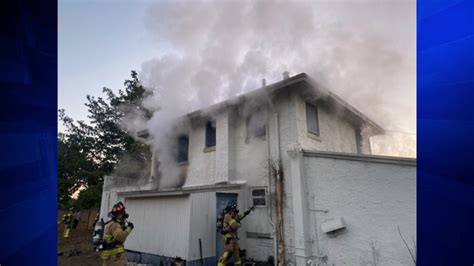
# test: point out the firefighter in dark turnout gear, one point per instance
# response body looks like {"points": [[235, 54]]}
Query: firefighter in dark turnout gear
{"points": [[115, 233], [232, 220]]}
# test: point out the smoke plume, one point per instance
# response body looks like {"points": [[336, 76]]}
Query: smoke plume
{"points": [[364, 51]]}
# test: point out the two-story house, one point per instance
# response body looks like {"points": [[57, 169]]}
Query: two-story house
{"points": [[299, 154]]}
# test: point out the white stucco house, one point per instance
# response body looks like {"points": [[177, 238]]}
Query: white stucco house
{"points": [[302, 156]]}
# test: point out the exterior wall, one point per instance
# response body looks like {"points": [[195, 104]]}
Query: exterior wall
{"points": [[237, 158], [110, 196], [288, 135], [202, 165], [373, 198], [336, 134], [202, 225], [161, 225]]}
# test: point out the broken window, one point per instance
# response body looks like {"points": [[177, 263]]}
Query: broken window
{"points": [[183, 148], [210, 134], [312, 120], [259, 197], [256, 124]]}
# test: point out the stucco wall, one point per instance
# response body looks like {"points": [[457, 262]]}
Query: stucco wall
{"points": [[373, 198], [202, 165], [336, 134], [237, 158]]}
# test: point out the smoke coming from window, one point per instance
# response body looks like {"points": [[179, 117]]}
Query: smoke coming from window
{"points": [[363, 51]]}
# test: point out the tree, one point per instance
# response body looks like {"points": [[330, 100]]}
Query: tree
{"points": [[88, 152], [89, 198]]}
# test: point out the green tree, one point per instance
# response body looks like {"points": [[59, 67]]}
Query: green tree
{"points": [[88, 152], [89, 198]]}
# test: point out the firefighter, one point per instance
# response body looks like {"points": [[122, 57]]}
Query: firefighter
{"points": [[67, 220], [232, 220], [115, 233]]}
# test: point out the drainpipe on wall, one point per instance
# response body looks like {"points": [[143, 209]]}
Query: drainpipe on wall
{"points": [[279, 196], [299, 203], [279, 209], [275, 250], [270, 215]]}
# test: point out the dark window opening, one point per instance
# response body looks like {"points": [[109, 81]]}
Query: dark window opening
{"points": [[210, 134], [312, 120], [358, 141], [258, 197], [183, 148], [256, 125]]}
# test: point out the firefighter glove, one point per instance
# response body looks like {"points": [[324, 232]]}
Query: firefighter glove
{"points": [[130, 225]]}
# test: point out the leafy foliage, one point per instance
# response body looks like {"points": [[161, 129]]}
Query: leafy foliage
{"points": [[88, 152], [89, 198]]}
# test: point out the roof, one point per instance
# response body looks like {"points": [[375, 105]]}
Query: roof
{"points": [[348, 111]]}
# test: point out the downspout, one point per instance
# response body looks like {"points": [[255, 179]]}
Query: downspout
{"points": [[279, 196], [275, 169], [275, 250], [279, 207]]}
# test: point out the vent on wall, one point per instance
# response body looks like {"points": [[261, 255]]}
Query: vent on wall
{"points": [[332, 226]]}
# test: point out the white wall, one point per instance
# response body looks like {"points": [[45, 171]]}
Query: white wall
{"points": [[161, 225], [237, 159], [336, 134], [373, 198], [202, 165], [202, 225]]}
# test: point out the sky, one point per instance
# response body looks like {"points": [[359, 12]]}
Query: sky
{"points": [[195, 53], [100, 42]]}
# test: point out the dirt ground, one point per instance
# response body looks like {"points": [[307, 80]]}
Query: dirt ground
{"points": [[77, 249]]}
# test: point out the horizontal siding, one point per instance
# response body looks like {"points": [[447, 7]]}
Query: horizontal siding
{"points": [[161, 225]]}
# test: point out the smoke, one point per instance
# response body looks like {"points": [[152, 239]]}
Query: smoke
{"points": [[363, 51]]}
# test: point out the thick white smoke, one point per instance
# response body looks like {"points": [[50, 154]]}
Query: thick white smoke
{"points": [[363, 51]]}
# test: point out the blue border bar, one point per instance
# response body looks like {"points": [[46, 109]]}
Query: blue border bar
{"points": [[445, 100], [28, 133]]}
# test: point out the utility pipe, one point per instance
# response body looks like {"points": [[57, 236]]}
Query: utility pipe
{"points": [[275, 250], [279, 196]]}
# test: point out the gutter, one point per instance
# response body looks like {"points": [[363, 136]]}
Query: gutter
{"points": [[180, 191], [361, 157]]}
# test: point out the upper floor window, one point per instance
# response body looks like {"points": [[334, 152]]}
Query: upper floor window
{"points": [[312, 120], [210, 134], [358, 140], [183, 148], [259, 197], [256, 124]]}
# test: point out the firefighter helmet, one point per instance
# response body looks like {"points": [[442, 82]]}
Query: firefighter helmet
{"points": [[231, 206], [118, 208]]}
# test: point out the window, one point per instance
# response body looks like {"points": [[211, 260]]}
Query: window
{"points": [[312, 120], [210, 134], [183, 147], [256, 124], [358, 141], [258, 197]]}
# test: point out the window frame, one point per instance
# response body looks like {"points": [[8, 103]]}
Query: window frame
{"points": [[178, 159], [358, 137], [206, 138], [248, 134], [252, 197], [316, 116]]}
